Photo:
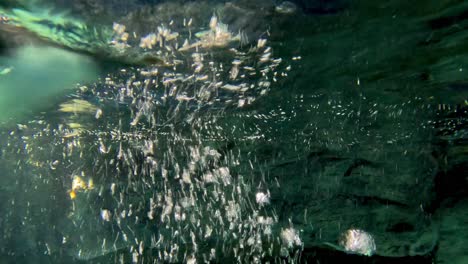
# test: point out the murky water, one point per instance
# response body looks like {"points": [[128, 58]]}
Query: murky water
{"points": [[238, 132]]}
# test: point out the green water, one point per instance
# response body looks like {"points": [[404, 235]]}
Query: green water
{"points": [[36, 74], [351, 116]]}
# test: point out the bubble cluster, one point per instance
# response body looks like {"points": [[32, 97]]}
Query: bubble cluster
{"points": [[143, 163]]}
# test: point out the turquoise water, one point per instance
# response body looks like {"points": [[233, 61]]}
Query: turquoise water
{"points": [[350, 116]]}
